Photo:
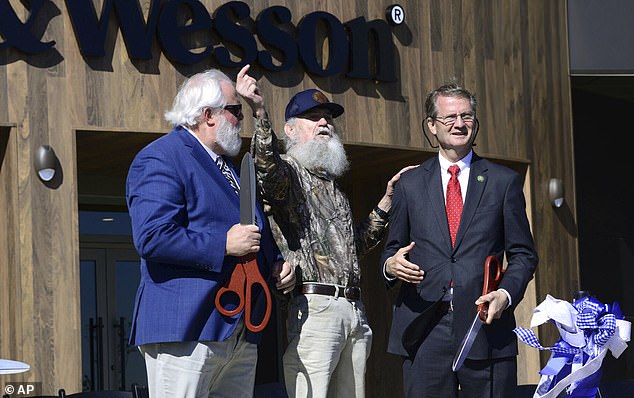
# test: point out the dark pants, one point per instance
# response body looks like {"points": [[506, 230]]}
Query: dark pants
{"points": [[429, 375]]}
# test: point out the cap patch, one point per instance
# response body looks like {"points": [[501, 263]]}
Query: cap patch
{"points": [[319, 97]]}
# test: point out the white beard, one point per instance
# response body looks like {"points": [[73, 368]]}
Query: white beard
{"points": [[228, 137], [317, 155]]}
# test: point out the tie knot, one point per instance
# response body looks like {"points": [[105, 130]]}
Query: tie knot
{"points": [[220, 161], [454, 170]]}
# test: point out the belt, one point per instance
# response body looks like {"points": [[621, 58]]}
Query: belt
{"points": [[352, 293]]}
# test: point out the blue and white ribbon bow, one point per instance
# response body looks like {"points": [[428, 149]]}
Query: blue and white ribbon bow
{"points": [[588, 330]]}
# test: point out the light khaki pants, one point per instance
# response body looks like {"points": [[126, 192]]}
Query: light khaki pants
{"points": [[329, 343], [201, 369]]}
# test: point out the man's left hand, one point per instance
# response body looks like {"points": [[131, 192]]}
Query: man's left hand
{"points": [[498, 301], [386, 201], [285, 276]]}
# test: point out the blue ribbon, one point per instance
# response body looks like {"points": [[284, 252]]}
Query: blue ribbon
{"points": [[598, 322]]}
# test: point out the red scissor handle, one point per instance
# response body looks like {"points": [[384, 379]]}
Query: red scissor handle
{"points": [[255, 278], [244, 276], [492, 277], [235, 285]]}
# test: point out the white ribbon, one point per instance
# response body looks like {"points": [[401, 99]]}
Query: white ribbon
{"points": [[564, 315]]}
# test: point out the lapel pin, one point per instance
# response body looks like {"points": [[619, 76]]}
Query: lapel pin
{"points": [[480, 179]]}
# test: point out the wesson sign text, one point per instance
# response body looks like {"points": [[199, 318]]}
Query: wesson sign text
{"points": [[361, 49]]}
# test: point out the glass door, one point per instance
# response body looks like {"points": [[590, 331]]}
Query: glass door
{"points": [[109, 279]]}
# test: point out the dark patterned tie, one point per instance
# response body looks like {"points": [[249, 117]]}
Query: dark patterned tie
{"points": [[454, 203], [222, 165]]}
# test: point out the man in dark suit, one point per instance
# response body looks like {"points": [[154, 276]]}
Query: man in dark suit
{"points": [[445, 221], [184, 205]]}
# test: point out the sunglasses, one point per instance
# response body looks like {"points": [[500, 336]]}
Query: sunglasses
{"points": [[235, 110]]}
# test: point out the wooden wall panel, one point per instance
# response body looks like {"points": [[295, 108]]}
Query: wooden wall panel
{"points": [[4, 100], [551, 143], [10, 300], [512, 54]]}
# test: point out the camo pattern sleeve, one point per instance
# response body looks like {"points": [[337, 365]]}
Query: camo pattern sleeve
{"points": [[310, 216]]}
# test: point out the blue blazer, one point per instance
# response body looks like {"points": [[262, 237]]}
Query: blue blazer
{"points": [[181, 208], [493, 222]]}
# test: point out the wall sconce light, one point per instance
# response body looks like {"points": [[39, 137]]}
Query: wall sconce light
{"points": [[45, 163], [556, 192]]}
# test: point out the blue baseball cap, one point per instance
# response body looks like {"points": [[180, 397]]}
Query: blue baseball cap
{"points": [[309, 99]]}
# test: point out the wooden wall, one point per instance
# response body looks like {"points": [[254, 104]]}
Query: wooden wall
{"points": [[511, 53]]}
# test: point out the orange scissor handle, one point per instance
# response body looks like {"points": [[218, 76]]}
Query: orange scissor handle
{"points": [[255, 278], [492, 277], [245, 275], [235, 285]]}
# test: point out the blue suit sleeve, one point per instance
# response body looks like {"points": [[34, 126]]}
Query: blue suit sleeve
{"points": [[162, 231]]}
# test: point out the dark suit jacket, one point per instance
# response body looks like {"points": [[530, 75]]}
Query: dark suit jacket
{"points": [[181, 208], [493, 222]]}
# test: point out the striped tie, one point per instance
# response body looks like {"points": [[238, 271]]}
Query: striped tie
{"points": [[222, 165]]}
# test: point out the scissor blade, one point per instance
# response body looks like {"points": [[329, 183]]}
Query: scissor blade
{"points": [[467, 342], [247, 190], [12, 367]]}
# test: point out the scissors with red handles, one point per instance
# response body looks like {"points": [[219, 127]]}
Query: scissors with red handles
{"points": [[246, 275], [493, 273]]}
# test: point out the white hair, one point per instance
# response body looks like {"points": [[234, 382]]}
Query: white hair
{"points": [[317, 155], [202, 90]]}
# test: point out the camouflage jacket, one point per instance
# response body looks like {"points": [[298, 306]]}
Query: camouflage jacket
{"points": [[310, 216]]}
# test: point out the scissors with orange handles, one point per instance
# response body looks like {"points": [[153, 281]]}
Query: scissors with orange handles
{"points": [[246, 275], [244, 278]]}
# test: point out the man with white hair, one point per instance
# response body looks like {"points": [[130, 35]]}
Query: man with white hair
{"points": [[183, 198], [328, 333]]}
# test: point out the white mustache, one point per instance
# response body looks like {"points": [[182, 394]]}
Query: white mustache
{"points": [[324, 129]]}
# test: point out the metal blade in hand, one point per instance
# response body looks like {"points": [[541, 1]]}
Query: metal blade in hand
{"points": [[12, 367], [247, 190], [467, 342]]}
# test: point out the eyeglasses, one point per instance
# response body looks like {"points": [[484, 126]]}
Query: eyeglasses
{"points": [[449, 120], [235, 110]]}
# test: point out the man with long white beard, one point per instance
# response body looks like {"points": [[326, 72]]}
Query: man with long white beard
{"points": [[328, 333], [182, 192]]}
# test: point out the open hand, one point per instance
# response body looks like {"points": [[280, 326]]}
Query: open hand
{"points": [[398, 266]]}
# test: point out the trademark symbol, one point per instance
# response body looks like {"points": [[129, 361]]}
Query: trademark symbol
{"points": [[395, 14]]}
